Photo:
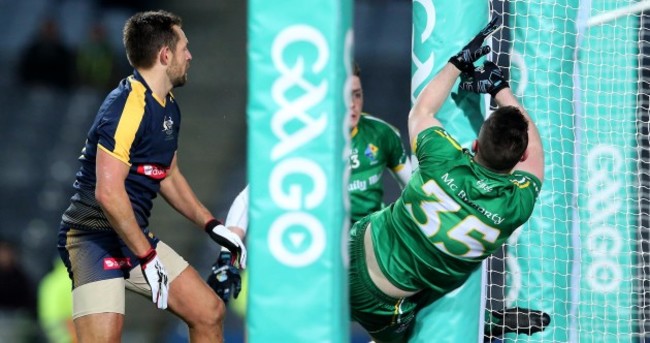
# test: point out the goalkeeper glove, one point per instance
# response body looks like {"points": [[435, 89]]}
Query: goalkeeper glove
{"points": [[228, 240], [224, 277], [486, 79], [465, 58], [156, 276]]}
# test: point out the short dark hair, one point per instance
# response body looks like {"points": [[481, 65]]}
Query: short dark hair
{"points": [[503, 138], [145, 33], [356, 70]]}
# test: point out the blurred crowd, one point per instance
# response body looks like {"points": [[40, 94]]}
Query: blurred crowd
{"points": [[55, 68], [58, 63]]}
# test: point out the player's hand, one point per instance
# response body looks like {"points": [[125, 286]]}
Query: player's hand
{"points": [[224, 278], [228, 240], [486, 79], [465, 58], [156, 276]]}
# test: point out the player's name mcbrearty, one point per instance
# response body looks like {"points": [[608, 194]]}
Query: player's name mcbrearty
{"points": [[494, 217]]}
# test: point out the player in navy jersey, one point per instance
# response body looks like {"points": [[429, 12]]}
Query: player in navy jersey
{"points": [[130, 156]]}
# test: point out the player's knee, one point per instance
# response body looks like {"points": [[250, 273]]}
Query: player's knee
{"points": [[211, 314]]}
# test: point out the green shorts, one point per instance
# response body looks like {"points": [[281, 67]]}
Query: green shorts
{"points": [[385, 318]]}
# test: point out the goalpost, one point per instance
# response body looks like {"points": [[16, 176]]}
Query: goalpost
{"points": [[580, 67], [298, 67]]}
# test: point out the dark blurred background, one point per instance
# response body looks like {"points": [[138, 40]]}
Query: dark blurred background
{"points": [[58, 59]]}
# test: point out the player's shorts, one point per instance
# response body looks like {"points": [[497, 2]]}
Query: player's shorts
{"points": [[384, 317], [102, 268]]}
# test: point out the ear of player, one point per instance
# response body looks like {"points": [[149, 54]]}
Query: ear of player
{"points": [[224, 277], [227, 239]]}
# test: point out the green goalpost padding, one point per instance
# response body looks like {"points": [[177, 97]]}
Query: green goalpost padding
{"points": [[299, 60], [440, 29]]}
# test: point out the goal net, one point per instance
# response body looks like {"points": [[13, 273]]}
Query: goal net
{"points": [[581, 69]]}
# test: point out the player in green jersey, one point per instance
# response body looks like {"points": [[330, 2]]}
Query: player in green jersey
{"points": [[375, 146], [457, 208]]}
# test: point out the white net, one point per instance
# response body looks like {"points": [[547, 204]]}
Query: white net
{"points": [[581, 70]]}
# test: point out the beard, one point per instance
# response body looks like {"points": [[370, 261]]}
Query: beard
{"points": [[179, 81], [177, 76]]}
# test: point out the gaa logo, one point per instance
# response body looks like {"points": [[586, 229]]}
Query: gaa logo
{"points": [[298, 185]]}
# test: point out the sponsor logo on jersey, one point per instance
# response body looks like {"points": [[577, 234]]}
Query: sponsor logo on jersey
{"points": [[112, 263], [371, 152], [152, 171], [168, 126], [521, 183]]}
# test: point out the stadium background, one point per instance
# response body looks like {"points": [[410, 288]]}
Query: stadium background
{"points": [[43, 128]]}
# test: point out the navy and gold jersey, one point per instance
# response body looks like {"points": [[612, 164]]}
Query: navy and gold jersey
{"points": [[139, 129]]}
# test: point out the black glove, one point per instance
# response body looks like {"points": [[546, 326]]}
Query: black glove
{"points": [[224, 277], [519, 320], [486, 79], [464, 60]]}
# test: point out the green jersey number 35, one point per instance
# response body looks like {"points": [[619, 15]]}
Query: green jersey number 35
{"points": [[462, 235]]}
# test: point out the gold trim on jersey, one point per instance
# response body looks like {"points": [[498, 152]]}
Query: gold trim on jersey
{"points": [[103, 148], [130, 120], [397, 313], [523, 183], [354, 131], [449, 138]]}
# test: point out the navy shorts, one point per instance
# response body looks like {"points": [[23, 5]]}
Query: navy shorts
{"points": [[96, 255]]}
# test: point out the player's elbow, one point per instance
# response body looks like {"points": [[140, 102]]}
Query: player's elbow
{"points": [[105, 195]]}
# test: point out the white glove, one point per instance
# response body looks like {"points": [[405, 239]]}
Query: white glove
{"points": [[228, 240], [156, 276]]}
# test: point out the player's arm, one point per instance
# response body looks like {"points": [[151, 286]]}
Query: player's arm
{"points": [[112, 197], [177, 192], [237, 218], [402, 173], [434, 94], [397, 160], [110, 192], [224, 277], [427, 104], [534, 163]]}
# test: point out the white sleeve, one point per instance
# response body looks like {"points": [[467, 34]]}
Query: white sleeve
{"points": [[403, 174], [238, 213]]}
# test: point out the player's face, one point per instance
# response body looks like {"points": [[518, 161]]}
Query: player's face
{"points": [[356, 105], [180, 62]]}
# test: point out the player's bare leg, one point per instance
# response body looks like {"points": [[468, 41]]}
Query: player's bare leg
{"points": [[99, 328], [198, 305]]}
